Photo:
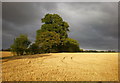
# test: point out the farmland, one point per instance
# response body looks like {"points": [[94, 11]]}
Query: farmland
{"points": [[60, 67]]}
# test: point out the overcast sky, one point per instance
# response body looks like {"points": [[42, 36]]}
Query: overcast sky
{"points": [[93, 25]]}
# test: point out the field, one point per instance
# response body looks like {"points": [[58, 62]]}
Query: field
{"points": [[60, 67]]}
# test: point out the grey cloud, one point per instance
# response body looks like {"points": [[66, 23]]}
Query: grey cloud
{"points": [[95, 25], [25, 12]]}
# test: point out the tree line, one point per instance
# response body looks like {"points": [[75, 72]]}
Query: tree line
{"points": [[51, 37]]}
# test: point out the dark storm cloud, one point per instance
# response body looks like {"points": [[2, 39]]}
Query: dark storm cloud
{"points": [[94, 25], [23, 13], [22, 18]]}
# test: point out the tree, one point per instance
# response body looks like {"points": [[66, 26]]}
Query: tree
{"points": [[20, 45], [53, 37]]}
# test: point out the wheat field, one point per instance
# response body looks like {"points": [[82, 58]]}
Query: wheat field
{"points": [[60, 67]]}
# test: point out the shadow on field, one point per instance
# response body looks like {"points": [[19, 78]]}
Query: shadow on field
{"points": [[5, 59], [58, 82]]}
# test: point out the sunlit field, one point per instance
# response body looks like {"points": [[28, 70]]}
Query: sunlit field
{"points": [[60, 67]]}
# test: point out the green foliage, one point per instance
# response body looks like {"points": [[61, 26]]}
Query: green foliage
{"points": [[81, 50], [69, 45], [48, 41], [20, 45], [53, 22], [53, 37], [33, 49]]}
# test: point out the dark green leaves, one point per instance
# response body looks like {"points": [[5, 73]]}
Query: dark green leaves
{"points": [[53, 22], [47, 40], [20, 44], [53, 35]]}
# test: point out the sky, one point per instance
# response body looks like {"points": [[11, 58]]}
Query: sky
{"points": [[93, 24]]}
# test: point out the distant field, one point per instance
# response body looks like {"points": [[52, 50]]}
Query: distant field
{"points": [[6, 54], [60, 67]]}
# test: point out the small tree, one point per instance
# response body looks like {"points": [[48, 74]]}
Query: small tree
{"points": [[20, 45]]}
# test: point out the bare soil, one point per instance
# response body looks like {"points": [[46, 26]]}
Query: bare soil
{"points": [[60, 67]]}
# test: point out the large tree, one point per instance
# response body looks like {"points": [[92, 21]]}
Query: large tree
{"points": [[53, 22], [53, 35], [20, 44]]}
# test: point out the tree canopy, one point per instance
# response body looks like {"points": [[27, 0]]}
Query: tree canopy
{"points": [[20, 44], [53, 35], [53, 22]]}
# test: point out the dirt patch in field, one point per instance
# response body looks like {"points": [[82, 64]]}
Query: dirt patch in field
{"points": [[62, 67], [7, 56]]}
